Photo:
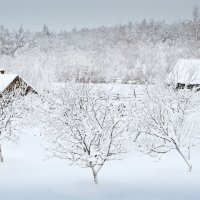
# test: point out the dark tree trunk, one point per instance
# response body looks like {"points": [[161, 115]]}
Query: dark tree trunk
{"points": [[1, 155]]}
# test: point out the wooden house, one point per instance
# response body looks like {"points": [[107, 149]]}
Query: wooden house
{"points": [[12, 82], [186, 74]]}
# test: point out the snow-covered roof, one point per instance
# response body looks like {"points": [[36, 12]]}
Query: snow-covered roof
{"points": [[5, 80], [186, 71]]}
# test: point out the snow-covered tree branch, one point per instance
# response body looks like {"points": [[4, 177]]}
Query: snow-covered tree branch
{"points": [[87, 127], [164, 118], [13, 105]]}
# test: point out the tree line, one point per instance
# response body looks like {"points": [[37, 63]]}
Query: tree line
{"points": [[143, 51]]}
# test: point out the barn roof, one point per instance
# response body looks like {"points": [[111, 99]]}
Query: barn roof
{"points": [[5, 80], [186, 71]]}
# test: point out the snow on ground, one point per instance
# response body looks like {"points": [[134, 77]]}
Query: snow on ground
{"points": [[124, 90], [27, 174]]}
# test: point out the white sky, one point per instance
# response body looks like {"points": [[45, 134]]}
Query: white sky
{"points": [[67, 14]]}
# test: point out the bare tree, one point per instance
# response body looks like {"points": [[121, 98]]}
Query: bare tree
{"points": [[87, 127], [12, 41], [164, 120], [46, 31], [12, 107], [196, 21]]}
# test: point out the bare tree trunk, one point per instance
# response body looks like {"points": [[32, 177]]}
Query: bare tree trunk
{"points": [[1, 155], [94, 175], [186, 160]]}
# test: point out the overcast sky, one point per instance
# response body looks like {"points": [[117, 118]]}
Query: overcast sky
{"points": [[67, 14]]}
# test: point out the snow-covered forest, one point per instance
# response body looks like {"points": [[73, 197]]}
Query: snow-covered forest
{"points": [[135, 52], [91, 114]]}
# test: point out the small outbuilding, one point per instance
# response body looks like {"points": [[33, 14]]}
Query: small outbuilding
{"points": [[11, 82], [186, 74]]}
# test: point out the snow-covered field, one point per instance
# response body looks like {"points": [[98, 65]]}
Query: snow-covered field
{"points": [[28, 174]]}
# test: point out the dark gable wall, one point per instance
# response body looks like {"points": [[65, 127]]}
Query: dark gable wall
{"points": [[19, 83]]}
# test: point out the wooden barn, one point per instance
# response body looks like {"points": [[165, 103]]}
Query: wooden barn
{"points": [[12, 82], [186, 74]]}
